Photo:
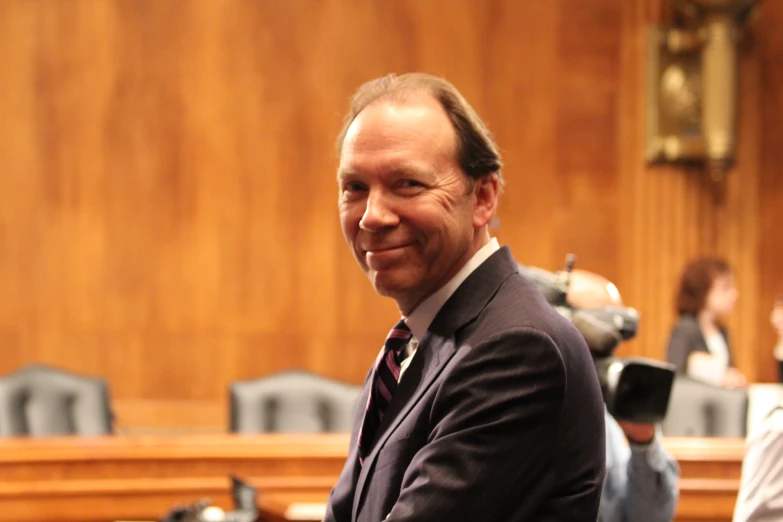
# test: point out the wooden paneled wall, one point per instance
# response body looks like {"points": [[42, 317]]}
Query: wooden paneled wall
{"points": [[168, 212], [769, 105]]}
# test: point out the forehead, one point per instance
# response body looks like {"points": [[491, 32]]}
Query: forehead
{"points": [[414, 128]]}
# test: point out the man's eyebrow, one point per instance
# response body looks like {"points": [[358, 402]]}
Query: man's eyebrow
{"points": [[405, 170], [412, 170], [401, 171]]}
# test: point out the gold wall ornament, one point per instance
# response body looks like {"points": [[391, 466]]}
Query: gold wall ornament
{"points": [[692, 84]]}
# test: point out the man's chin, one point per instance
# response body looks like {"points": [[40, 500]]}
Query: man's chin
{"points": [[388, 290], [405, 291], [389, 286]]}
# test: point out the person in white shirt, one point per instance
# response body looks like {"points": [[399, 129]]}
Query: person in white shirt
{"points": [[760, 497]]}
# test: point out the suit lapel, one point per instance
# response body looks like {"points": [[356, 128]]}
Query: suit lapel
{"points": [[431, 356], [435, 350]]}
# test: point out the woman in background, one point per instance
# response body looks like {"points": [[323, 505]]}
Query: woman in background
{"points": [[699, 344]]}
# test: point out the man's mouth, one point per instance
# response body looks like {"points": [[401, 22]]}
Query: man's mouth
{"points": [[384, 248], [379, 257]]}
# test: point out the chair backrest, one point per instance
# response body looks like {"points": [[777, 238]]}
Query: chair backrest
{"points": [[292, 402], [699, 409], [39, 401]]}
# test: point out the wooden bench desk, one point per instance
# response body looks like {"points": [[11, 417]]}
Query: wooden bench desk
{"points": [[141, 477]]}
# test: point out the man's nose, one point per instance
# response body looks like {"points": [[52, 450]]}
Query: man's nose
{"points": [[379, 212]]}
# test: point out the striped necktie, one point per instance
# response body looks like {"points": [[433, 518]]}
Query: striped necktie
{"points": [[384, 384]]}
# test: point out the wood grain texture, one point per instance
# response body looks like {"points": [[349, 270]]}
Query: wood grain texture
{"points": [[675, 213], [168, 212], [769, 41], [141, 477]]}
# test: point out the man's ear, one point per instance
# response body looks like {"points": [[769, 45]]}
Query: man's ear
{"points": [[486, 190]]}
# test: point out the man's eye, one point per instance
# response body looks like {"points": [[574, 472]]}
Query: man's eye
{"points": [[353, 186], [409, 183]]}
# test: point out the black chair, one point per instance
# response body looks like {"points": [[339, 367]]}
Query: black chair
{"points": [[699, 409], [292, 402], [40, 401]]}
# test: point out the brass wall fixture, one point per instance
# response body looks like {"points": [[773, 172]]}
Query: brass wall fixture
{"points": [[692, 84]]}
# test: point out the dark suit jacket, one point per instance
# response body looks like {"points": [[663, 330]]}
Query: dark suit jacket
{"points": [[498, 418], [687, 338]]}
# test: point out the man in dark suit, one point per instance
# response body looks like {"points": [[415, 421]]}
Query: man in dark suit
{"points": [[483, 404]]}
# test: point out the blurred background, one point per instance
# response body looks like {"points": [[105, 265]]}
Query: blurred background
{"points": [[168, 204]]}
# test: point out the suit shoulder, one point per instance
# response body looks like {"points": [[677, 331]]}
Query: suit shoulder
{"points": [[529, 304]]}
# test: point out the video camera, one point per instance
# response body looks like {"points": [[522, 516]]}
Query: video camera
{"points": [[635, 389]]}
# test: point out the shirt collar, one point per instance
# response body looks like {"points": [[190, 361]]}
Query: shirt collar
{"points": [[419, 320]]}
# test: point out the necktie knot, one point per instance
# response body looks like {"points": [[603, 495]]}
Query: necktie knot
{"points": [[398, 337]]}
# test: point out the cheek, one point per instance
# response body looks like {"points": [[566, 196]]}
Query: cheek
{"points": [[349, 223], [724, 301]]}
